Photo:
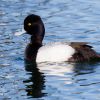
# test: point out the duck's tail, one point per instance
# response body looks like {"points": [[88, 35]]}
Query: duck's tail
{"points": [[97, 58]]}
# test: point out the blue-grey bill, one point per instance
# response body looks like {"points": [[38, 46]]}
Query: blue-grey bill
{"points": [[20, 32]]}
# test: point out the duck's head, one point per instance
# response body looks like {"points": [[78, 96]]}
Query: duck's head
{"points": [[34, 26]]}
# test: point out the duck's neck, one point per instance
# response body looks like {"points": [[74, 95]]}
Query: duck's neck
{"points": [[32, 48], [35, 42]]}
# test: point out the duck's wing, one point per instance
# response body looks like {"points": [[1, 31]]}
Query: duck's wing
{"points": [[84, 52], [79, 44]]}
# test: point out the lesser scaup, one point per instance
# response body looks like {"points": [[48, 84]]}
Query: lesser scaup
{"points": [[71, 52]]}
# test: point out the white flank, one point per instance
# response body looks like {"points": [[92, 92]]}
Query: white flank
{"points": [[54, 53]]}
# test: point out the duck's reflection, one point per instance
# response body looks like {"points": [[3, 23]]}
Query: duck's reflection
{"points": [[35, 83], [64, 73], [84, 68]]}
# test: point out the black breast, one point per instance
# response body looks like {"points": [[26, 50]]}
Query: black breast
{"points": [[31, 51]]}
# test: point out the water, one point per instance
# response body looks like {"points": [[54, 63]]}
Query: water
{"points": [[65, 20]]}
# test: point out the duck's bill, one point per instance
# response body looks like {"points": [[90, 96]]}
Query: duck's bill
{"points": [[20, 32]]}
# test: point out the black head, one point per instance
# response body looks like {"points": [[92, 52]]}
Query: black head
{"points": [[34, 26]]}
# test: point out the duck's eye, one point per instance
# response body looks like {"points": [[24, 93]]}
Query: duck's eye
{"points": [[29, 24]]}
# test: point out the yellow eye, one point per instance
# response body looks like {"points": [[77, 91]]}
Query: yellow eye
{"points": [[29, 24]]}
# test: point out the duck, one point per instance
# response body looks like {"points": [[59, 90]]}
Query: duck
{"points": [[54, 52]]}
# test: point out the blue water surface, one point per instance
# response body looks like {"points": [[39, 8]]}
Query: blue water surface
{"points": [[65, 20]]}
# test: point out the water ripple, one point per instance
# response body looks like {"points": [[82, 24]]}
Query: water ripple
{"points": [[65, 20]]}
